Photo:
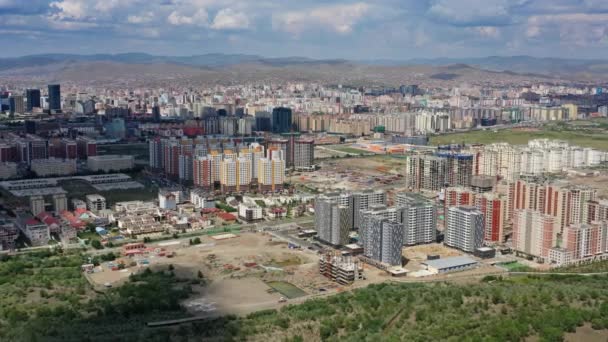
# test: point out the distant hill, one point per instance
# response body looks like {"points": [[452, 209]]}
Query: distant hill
{"points": [[207, 60], [571, 68], [230, 68]]}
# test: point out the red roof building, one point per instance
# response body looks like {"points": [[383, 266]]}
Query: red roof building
{"points": [[226, 217]]}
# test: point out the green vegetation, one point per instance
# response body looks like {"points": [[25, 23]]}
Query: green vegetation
{"points": [[350, 150], [138, 151], [195, 241], [498, 310], [588, 267], [290, 261], [261, 203], [225, 207], [44, 297], [96, 244], [516, 267], [580, 137], [286, 289], [79, 189]]}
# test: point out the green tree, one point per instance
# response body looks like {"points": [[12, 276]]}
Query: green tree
{"points": [[96, 244]]}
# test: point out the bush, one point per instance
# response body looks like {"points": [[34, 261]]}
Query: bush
{"points": [[96, 244]]}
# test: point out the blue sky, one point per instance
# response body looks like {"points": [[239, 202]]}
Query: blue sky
{"points": [[380, 29]]}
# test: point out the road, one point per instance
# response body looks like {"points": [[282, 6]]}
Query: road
{"points": [[279, 225]]}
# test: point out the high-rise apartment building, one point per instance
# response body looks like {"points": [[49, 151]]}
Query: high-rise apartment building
{"points": [[16, 104], [597, 211], [419, 217], [33, 99], [383, 240], [37, 205], [271, 173], [585, 240], [281, 120], [201, 172], [580, 196], [54, 97], [333, 218], [533, 233], [459, 196], [425, 172], [60, 203], [493, 207], [304, 155], [464, 228], [363, 200]]}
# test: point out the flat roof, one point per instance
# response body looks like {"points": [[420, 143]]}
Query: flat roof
{"points": [[353, 246], [485, 249], [397, 270], [450, 262]]}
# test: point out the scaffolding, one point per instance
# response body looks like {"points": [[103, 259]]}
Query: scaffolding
{"points": [[8, 236], [343, 270]]}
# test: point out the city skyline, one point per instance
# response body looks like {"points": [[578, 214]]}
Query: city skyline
{"points": [[354, 30]]}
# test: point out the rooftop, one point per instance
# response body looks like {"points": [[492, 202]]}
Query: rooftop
{"points": [[450, 262]]}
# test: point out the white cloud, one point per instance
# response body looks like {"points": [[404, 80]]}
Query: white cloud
{"points": [[141, 19], [582, 29], [338, 18], [472, 12], [108, 5], [199, 18], [488, 31], [71, 25], [71, 9], [228, 19]]}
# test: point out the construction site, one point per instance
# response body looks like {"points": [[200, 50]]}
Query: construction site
{"points": [[242, 272], [341, 269], [383, 172], [8, 235]]}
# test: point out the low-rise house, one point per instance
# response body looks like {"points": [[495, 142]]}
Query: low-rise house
{"points": [[250, 212], [53, 223], [277, 213], [138, 226], [37, 232]]}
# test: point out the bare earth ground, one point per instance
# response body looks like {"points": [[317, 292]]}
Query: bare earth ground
{"points": [[355, 174], [234, 288], [598, 182]]}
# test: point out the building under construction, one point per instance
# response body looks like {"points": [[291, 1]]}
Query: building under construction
{"points": [[343, 270], [8, 235]]}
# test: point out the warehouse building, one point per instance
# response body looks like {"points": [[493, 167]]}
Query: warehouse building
{"points": [[447, 265]]}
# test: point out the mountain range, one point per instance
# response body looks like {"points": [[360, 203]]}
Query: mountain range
{"points": [[243, 66]]}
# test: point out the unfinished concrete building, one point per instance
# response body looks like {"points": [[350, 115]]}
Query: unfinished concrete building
{"points": [[343, 270], [8, 235]]}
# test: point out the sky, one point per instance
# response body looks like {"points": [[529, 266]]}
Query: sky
{"points": [[356, 30]]}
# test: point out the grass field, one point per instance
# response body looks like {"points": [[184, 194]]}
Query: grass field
{"points": [[580, 138], [79, 189], [140, 151], [350, 150], [286, 289], [516, 267]]}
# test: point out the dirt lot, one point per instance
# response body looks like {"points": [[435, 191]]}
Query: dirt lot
{"points": [[237, 270], [378, 172], [598, 182]]}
